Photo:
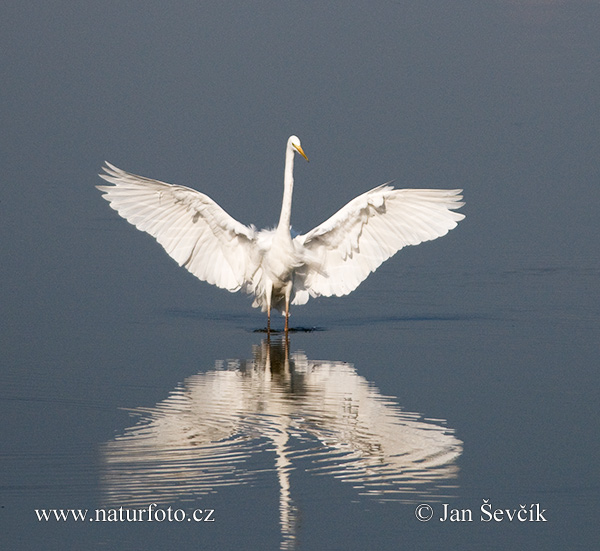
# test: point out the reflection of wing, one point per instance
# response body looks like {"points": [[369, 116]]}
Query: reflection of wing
{"points": [[365, 439], [351, 431], [321, 414], [185, 445]]}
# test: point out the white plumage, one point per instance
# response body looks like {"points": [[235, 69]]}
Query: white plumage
{"points": [[332, 259]]}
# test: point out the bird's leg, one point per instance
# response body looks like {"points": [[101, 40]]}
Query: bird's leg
{"points": [[269, 291], [288, 292]]}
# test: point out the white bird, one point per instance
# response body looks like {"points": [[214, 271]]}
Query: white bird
{"points": [[278, 269]]}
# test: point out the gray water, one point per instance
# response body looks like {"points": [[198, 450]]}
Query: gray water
{"points": [[462, 374]]}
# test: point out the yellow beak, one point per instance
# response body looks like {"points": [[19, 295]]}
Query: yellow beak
{"points": [[299, 150]]}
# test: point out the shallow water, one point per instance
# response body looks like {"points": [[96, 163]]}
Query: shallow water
{"points": [[292, 449]]}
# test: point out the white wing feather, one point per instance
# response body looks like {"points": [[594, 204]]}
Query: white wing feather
{"points": [[346, 248], [190, 226]]}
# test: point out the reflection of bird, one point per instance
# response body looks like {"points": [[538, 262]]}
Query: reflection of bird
{"points": [[332, 259], [220, 428]]}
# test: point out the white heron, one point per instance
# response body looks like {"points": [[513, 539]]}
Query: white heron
{"points": [[275, 267]]}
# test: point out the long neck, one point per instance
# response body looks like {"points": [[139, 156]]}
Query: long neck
{"points": [[288, 188]]}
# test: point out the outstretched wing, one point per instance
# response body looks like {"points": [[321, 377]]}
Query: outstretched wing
{"points": [[346, 248], [190, 226]]}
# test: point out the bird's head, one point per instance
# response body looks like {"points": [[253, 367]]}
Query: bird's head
{"points": [[294, 142]]}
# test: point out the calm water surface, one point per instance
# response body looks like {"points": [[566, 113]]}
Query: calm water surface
{"points": [[292, 449], [463, 373]]}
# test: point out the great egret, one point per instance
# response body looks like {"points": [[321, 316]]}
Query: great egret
{"points": [[278, 269]]}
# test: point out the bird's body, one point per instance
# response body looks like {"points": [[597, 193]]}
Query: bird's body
{"points": [[332, 259]]}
